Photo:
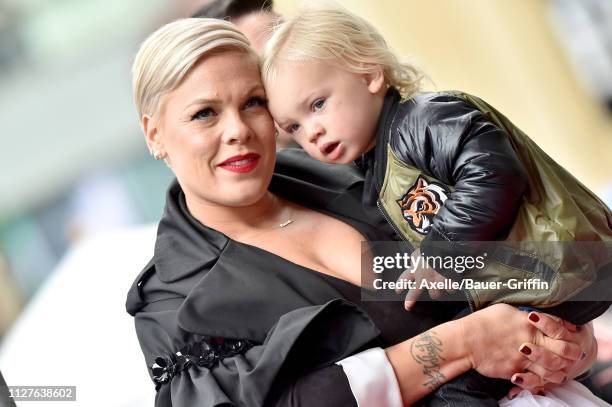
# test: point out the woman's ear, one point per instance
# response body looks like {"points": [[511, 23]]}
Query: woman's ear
{"points": [[152, 137], [375, 80]]}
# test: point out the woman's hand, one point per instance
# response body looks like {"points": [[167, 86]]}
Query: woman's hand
{"points": [[493, 336], [568, 351], [503, 341]]}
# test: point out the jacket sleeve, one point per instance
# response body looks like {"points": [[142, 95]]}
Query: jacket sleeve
{"points": [[282, 368], [454, 142]]}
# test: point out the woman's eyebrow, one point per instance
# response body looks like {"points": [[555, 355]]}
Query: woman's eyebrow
{"points": [[202, 101], [253, 88]]}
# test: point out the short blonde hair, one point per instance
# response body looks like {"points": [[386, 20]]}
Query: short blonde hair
{"points": [[328, 32], [167, 55]]}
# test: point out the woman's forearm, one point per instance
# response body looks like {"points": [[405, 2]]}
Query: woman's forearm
{"points": [[488, 341], [425, 362]]}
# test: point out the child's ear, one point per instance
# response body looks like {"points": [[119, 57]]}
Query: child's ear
{"points": [[375, 80]]}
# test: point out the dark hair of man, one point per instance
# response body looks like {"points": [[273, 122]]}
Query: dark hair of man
{"points": [[231, 9]]}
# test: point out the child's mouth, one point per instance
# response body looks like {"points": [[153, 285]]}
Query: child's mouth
{"points": [[331, 150]]}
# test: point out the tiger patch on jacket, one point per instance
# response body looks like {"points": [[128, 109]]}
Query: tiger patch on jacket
{"points": [[421, 203]]}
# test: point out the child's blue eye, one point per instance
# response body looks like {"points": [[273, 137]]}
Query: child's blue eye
{"points": [[293, 128], [318, 104], [203, 114]]}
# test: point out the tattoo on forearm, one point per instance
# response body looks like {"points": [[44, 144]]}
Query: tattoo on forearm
{"points": [[426, 350]]}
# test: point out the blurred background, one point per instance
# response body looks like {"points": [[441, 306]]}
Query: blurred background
{"points": [[80, 194]]}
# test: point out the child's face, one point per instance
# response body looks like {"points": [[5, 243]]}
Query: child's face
{"points": [[330, 112]]}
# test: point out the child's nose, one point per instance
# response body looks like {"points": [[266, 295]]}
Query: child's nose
{"points": [[314, 132]]}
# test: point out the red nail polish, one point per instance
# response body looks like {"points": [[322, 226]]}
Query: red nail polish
{"points": [[525, 350], [534, 317]]}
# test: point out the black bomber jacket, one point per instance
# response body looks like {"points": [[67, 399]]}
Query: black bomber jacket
{"points": [[453, 176], [450, 140]]}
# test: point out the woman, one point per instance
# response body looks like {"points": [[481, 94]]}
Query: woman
{"points": [[244, 303]]}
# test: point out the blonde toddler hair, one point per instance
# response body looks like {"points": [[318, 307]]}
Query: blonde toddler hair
{"points": [[167, 56], [330, 33]]}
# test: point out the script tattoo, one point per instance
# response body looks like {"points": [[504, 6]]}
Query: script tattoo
{"points": [[426, 350]]}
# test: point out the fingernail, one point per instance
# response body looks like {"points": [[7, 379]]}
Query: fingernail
{"points": [[517, 380], [534, 317], [583, 355], [525, 350], [541, 393]]}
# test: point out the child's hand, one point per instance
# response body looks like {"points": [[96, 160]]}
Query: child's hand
{"points": [[417, 275]]}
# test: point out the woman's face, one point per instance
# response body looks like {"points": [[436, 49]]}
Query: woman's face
{"points": [[216, 132]]}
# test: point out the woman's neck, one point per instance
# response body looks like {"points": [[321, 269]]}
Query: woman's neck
{"points": [[266, 213]]}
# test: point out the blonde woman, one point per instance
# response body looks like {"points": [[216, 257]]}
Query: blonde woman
{"points": [[252, 298]]}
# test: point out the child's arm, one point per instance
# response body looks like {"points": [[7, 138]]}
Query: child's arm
{"points": [[454, 142]]}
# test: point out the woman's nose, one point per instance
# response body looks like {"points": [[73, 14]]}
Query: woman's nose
{"points": [[236, 130]]}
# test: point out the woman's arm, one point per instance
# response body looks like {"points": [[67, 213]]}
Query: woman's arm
{"points": [[420, 364], [488, 341], [425, 362]]}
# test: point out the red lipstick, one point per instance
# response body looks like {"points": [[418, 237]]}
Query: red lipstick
{"points": [[241, 163]]}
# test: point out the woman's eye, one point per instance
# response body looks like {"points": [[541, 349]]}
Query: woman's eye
{"points": [[255, 101], [292, 129], [203, 114], [318, 104]]}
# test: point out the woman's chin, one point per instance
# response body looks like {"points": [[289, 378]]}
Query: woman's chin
{"points": [[245, 195]]}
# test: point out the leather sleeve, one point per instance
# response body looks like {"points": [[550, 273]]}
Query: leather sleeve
{"points": [[297, 355], [451, 140]]}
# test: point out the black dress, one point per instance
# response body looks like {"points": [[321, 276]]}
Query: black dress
{"points": [[222, 323]]}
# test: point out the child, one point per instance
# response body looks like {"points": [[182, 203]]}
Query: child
{"points": [[439, 167]]}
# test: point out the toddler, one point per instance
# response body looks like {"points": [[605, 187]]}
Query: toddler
{"points": [[438, 167]]}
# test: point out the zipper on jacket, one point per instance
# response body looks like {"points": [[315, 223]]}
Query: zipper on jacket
{"points": [[388, 219], [383, 212]]}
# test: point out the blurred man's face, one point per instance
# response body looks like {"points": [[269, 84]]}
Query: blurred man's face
{"points": [[257, 27]]}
